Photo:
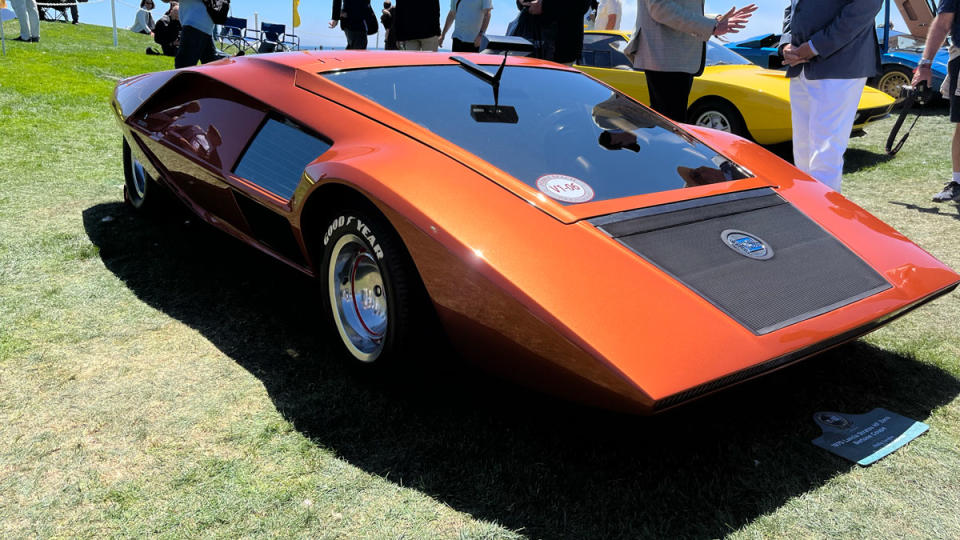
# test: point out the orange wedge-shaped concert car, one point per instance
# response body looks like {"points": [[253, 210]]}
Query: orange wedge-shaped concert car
{"points": [[559, 232]]}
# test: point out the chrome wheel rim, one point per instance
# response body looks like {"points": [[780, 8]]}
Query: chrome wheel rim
{"points": [[358, 298], [139, 178], [714, 120], [891, 82]]}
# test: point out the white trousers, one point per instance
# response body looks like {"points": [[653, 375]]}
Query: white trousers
{"points": [[29, 18], [822, 112]]}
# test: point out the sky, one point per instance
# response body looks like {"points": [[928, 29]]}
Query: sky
{"points": [[315, 14]]}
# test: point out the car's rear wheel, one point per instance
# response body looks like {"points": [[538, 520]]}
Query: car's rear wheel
{"points": [[140, 190], [372, 288], [718, 114], [892, 78]]}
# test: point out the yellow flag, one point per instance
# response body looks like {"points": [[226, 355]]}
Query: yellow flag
{"points": [[296, 13]]}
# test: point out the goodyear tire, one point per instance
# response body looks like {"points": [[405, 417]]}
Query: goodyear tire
{"points": [[718, 114], [371, 287], [140, 190]]}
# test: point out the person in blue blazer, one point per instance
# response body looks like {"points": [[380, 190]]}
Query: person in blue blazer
{"points": [[831, 49]]}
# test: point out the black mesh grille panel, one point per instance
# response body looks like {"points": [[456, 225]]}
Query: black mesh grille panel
{"points": [[810, 272]]}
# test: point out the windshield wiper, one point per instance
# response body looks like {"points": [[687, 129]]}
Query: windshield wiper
{"points": [[484, 75], [489, 113]]}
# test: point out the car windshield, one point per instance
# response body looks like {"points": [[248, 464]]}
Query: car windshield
{"points": [[569, 132], [718, 55]]}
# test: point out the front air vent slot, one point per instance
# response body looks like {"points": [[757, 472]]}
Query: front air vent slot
{"points": [[810, 273]]}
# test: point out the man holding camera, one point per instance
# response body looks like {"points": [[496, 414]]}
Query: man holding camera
{"points": [[944, 23], [831, 48]]}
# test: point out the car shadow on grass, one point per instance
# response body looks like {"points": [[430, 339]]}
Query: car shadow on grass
{"points": [[534, 464]]}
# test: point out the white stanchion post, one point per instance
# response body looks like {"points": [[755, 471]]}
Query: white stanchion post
{"points": [[3, 37], [113, 13]]}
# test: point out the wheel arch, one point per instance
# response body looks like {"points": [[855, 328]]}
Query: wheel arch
{"points": [[323, 201]]}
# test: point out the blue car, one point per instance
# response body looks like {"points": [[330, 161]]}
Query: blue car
{"points": [[897, 63]]}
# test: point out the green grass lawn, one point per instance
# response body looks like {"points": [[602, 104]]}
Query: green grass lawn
{"points": [[159, 378]]}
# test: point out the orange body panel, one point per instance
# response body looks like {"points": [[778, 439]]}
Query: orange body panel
{"points": [[523, 283]]}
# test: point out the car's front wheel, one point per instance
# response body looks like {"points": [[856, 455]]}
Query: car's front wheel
{"points": [[371, 286], [718, 114]]}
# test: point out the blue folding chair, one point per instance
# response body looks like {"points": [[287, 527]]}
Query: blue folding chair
{"points": [[235, 32], [274, 38]]}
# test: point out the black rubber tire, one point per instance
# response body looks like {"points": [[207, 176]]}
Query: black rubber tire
{"points": [[720, 108], [405, 300], [891, 78], [147, 196]]}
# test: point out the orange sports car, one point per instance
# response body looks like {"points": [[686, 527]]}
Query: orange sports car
{"points": [[557, 230]]}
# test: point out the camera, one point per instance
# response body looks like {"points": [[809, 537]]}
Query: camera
{"points": [[921, 93]]}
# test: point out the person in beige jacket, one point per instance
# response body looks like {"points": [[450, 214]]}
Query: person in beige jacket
{"points": [[671, 39]]}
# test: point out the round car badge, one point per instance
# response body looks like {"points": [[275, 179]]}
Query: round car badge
{"points": [[565, 188], [747, 244]]}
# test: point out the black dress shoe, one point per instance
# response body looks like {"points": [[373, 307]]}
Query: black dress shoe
{"points": [[34, 40], [18, 38]]}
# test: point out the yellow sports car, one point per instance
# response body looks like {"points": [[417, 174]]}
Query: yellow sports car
{"points": [[731, 95]]}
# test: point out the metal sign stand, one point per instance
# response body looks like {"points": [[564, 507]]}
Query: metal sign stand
{"points": [[113, 13]]}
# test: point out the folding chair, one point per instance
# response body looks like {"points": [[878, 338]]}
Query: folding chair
{"points": [[271, 37], [49, 10], [235, 32], [290, 42], [274, 38]]}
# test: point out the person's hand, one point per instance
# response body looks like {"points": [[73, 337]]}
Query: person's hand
{"points": [[478, 40], [793, 56], [790, 57], [922, 74], [333, 24], [734, 20], [534, 7], [440, 43]]}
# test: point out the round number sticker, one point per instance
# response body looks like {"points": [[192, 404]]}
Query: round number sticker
{"points": [[565, 188]]}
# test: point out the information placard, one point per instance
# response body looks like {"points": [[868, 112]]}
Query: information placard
{"points": [[865, 438]]}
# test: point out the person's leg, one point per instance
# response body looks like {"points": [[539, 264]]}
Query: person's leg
{"points": [[75, 17], [669, 93], [33, 13], [430, 44], [955, 149], [800, 119], [356, 39], [191, 47], [834, 107], [951, 191], [20, 8], [208, 50]]}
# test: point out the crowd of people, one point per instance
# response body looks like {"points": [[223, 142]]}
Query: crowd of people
{"points": [[830, 50]]}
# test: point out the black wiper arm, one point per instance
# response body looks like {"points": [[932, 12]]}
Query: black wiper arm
{"points": [[484, 75]]}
